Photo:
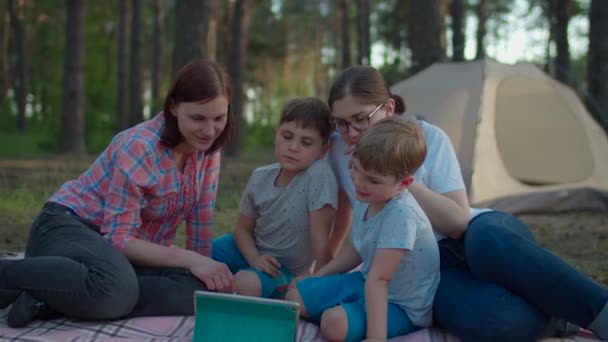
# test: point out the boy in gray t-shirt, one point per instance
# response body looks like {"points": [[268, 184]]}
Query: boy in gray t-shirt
{"points": [[392, 238], [287, 209]]}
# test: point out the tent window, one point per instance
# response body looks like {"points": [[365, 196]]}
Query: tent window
{"points": [[538, 134]]}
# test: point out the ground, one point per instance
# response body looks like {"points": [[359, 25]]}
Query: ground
{"points": [[581, 238]]}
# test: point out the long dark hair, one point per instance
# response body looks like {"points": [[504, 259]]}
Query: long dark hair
{"points": [[198, 81]]}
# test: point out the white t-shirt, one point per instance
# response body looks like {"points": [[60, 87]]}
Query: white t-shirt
{"points": [[440, 171], [282, 225], [401, 224]]}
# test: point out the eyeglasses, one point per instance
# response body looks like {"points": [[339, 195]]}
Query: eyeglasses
{"points": [[359, 122]]}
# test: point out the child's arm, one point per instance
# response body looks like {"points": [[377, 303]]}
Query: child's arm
{"points": [[243, 237], [344, 219], [385, 264], [344, 262], [321, 222]]}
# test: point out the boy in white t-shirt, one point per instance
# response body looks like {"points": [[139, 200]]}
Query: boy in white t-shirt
{"points": [[393, 292], [287, 209]]}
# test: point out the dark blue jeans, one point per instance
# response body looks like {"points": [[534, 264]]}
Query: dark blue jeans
{"points": [[78, 273], [498, 284]]}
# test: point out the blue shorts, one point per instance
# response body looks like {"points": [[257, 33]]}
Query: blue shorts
{"points": [[348, 289], [224, 250]]}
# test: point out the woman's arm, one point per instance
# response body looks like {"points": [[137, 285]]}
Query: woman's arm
{"points": [[243, 237], [321, 221], [342, 223], [448, 212], [215, 275], [384, 266]]}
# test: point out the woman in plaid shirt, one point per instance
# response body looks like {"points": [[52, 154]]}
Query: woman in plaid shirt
{"points": [[102, 246]]}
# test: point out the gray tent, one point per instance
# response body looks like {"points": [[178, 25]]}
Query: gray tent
{"points": [[525, 141]]}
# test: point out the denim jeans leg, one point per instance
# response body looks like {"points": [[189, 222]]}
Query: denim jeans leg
{"points": [[475, 310], [166, 291], [497, 252], [71, 268]]}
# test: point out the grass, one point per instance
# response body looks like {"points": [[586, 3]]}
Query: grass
{"points": [[25, 184]]}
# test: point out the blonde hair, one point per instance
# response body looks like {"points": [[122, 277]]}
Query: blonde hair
{"points": [[393, 146]]}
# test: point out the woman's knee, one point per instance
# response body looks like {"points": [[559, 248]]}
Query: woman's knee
{"points": [[334, 324], [113, 295]]}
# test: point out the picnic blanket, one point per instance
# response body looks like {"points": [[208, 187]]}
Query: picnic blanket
{"points": [[176, 329]]}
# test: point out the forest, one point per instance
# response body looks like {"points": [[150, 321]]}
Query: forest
{"points": [[75, 72]]}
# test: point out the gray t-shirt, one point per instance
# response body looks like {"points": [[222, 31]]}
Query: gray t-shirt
{"points": [[401, 224], [281, 215]]}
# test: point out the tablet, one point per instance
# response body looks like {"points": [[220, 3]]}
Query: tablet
{"points": [[231, 318]]}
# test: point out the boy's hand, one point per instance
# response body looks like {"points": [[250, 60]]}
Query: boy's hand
{"points": [[267, 264], [295, 280]]}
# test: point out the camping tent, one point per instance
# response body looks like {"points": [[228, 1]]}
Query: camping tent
{"points": [[524, 141]]}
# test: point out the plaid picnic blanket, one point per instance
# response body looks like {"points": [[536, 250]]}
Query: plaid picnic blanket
{"points": [[176, 329]]}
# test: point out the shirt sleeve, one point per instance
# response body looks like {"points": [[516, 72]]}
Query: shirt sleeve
{"points": [[199, 223], [131, 172], [322, 186]]}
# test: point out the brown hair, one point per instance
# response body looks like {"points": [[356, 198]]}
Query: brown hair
{"points": [[393, 146], [309, 111], [198, 81], [365, 84]]}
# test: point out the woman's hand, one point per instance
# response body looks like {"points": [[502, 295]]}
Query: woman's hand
{"points": [[215, 275], [267, 264]]}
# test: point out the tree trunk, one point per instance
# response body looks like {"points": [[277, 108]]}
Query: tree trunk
{"points": [[190, 28], [318, 79], [157, 51], [241, 20], [135, 65], [560, 19], [73, 121], [457, 12], [20, 84], [363, 45], [482, 18], [597, 62], [214, 15], [122, 118], [344, 15], [424, 33], [4, 30]]}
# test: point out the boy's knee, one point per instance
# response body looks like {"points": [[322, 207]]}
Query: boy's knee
{"points": [[334, 324], [294, 295], [248, 283]]}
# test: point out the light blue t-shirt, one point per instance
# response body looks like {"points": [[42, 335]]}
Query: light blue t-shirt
{"points": [[401, 224], [440, 171]]}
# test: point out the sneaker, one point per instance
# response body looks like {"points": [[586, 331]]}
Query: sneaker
{"points": [[26, 309]]}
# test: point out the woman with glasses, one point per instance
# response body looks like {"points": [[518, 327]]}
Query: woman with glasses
{"points": [[497, 283]]}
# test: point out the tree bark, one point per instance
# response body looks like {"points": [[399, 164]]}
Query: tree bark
{"points": [[560, 19], [157, 51], [4, 30], [363, 44], [135, 65], [190, 28], [241, 20], [424, 33], [597, 62], [482, 18], [73, 120], [122, 118], [457, 12], [19, 79], [344, 15]]}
